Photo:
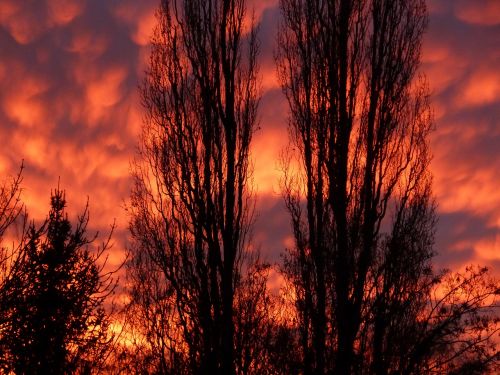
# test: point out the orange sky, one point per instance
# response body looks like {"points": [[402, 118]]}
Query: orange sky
{"points": [[69, 71]]}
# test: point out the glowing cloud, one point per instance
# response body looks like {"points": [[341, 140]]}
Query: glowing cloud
{"points": [[481, 12], [69, 106]]}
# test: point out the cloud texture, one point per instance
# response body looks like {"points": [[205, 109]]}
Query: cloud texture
{"points": [[69, 107]]}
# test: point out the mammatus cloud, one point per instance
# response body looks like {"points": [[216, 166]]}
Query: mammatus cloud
{"points": [[27, 21], [462, 67], [69, 107], [480, 12], [69, 104]]}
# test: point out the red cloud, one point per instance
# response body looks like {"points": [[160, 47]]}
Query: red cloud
{"points": [[480, 12], [69, 106]]}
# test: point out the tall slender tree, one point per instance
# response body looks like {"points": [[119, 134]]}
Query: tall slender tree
{"points": [[191, 206], [360, 122]]}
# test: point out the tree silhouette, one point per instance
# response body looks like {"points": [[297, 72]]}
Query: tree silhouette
{"points": [[11, 209], [358, 190], [57, 323], [191, 206], [10, 201]]}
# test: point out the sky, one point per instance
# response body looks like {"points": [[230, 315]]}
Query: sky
{"points": [[69, 107]]}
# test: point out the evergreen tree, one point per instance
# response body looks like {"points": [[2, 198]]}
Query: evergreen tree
{"points": [[57, 321]]}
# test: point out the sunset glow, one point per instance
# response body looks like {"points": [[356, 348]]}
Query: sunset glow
{"points": [[69, 107]]}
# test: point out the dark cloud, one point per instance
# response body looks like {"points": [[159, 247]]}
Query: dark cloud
{"points": [[272, 232], [457, 236]]}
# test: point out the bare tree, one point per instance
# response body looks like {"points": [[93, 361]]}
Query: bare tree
{"points": [[10, 201], [11, 209], [191, 206], [359, 124], [156, 343], [458, 328], [401, 283]]}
